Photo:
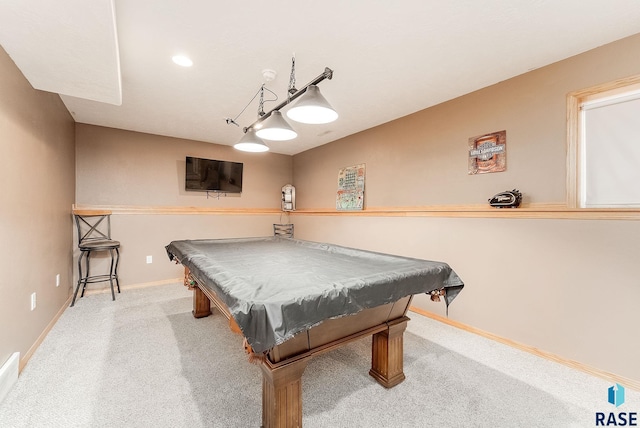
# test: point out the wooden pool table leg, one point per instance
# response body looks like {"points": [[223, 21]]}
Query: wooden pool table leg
{"points": [[282, 394], [201, 304], [387, 354]]}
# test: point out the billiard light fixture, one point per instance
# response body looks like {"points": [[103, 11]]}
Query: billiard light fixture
{"points": [[251, 143], [275, 128], [310, 108]]}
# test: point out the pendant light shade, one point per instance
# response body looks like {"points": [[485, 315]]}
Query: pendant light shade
{"points": [[276, 128], [312, 108], [251, 143], [307, 106]]}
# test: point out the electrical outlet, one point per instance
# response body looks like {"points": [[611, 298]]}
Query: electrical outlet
{"points": [[58, 280], [33, 301], [149, 259]]}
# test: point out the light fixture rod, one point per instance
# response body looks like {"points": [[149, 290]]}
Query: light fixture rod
{"points": [[327, 74]]}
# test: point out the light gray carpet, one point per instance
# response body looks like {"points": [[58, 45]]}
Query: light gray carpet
{"points": [[144, 361]]}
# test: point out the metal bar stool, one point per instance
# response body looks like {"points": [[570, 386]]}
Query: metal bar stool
{"points": [[94, 234], [283, 230]]}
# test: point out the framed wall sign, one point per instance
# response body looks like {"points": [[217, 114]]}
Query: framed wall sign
{"points": [[488, 153], [350, 194]]}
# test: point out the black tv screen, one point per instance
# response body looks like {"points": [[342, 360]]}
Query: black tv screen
{"points": [[213, 175]]}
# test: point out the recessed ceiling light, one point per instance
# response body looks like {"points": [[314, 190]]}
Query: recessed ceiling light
{"points": [[182, 60]]}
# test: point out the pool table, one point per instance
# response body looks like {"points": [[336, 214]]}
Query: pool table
{"points": [[293, 299]]}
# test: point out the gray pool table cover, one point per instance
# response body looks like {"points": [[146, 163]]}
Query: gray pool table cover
{"points": [[276, 287]]}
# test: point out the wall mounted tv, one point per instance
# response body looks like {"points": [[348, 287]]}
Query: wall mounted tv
{"points": [[207, 175]]}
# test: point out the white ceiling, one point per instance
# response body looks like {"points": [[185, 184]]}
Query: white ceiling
{"points": [[111, 59]]}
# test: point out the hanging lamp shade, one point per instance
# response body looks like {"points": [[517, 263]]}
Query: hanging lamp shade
{"points": [[312, 108], [276, 128], [250, 142]]}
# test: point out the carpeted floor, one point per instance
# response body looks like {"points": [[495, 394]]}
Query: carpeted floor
{"points": [[144, 361]]}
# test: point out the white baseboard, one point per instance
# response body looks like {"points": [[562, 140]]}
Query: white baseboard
{"points": [[9, 374]]}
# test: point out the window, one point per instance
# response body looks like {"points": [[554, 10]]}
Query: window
{"points": [[604, 146]]}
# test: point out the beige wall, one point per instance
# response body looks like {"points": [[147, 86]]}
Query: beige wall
{"points": [[567, 287], [37, 175], [421, 159], [123, 168], [144, 235], [117, 167]]}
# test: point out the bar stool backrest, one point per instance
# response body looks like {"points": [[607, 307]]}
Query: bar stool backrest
{"points": [[283, 230], [93, 226]]}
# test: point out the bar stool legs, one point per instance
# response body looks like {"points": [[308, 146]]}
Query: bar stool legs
{"points": [[87, 278], [113, 273], [80, 278]]}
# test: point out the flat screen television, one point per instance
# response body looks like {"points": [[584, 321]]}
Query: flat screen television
{"points": [[208, 175]]}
